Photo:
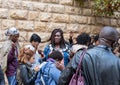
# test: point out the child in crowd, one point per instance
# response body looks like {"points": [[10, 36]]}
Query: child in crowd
{"points": [[51, 70]]}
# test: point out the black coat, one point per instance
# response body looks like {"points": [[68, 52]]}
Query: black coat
{"points": [[27, 75], [2, 82], [99, 67]]}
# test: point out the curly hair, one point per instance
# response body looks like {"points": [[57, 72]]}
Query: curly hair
{"points": [[83, 39]]}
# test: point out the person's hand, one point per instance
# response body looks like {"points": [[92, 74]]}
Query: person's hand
{"points": [[36, 68], [13, 45], [59, 66]]}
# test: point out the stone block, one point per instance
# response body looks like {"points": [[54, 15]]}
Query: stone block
{"points": [[2, 33], [84, 28], [114, 22], [7, 24], [66, 2], [33, 15], [45, 16], [23, 37], [51, 26], [78, 19], [72, 10], [56, 8], [50, 1], [99, 20], [91, 20], [27, 5], [95, 29], [40, 26], [19, 14], [25, 25], [60, 18], [3, 13], [39, 6], [87, 12], [106, 21], [14, 4], [73, 27]]}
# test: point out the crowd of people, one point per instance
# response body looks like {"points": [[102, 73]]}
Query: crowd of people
{"points": [[56, 64]]}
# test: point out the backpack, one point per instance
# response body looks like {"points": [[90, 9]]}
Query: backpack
{"points": [[18, 78], [42, 77]]}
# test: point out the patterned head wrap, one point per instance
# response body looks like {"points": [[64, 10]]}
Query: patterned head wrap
{"points": [[11, 31]]}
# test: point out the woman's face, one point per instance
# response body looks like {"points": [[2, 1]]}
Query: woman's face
{"points": [[57, 38], [15, 38], [32, 59]]}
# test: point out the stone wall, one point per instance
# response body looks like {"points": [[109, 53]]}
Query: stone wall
{"points": [[42, 16]]}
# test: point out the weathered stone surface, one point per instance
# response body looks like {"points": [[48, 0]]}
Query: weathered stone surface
{"points": [[91, 20], [66, 2], [95, 29], [2, 33], [50, 1], [23, 37], [19, 14], [40, 26], [106, 21], [56, 8], [14, 4], [27, 5], [25, 25], [33, 15], [87, 12], [3, 13], [42, 16], [39, 6], [45, 17], [7, 24], [60, 18], [73, 27], [72, 10], [78, 19], [84, 28], [114, 22], [52, 26]]}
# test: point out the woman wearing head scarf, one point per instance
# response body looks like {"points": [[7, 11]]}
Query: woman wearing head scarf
{"points": [[10, 52]]}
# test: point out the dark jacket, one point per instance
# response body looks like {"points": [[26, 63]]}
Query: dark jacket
{"points": [[99, 67], [27, 75], [2, 82]]}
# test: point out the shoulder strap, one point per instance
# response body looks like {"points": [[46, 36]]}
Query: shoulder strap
{"points": [[80, 62]]}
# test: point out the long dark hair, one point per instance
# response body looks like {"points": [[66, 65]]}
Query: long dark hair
{"points": [[52, 38]]}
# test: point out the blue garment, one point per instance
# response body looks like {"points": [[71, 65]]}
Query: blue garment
{"points": [[65, 51], [38, 60], [12, 80], [50, 69]]}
